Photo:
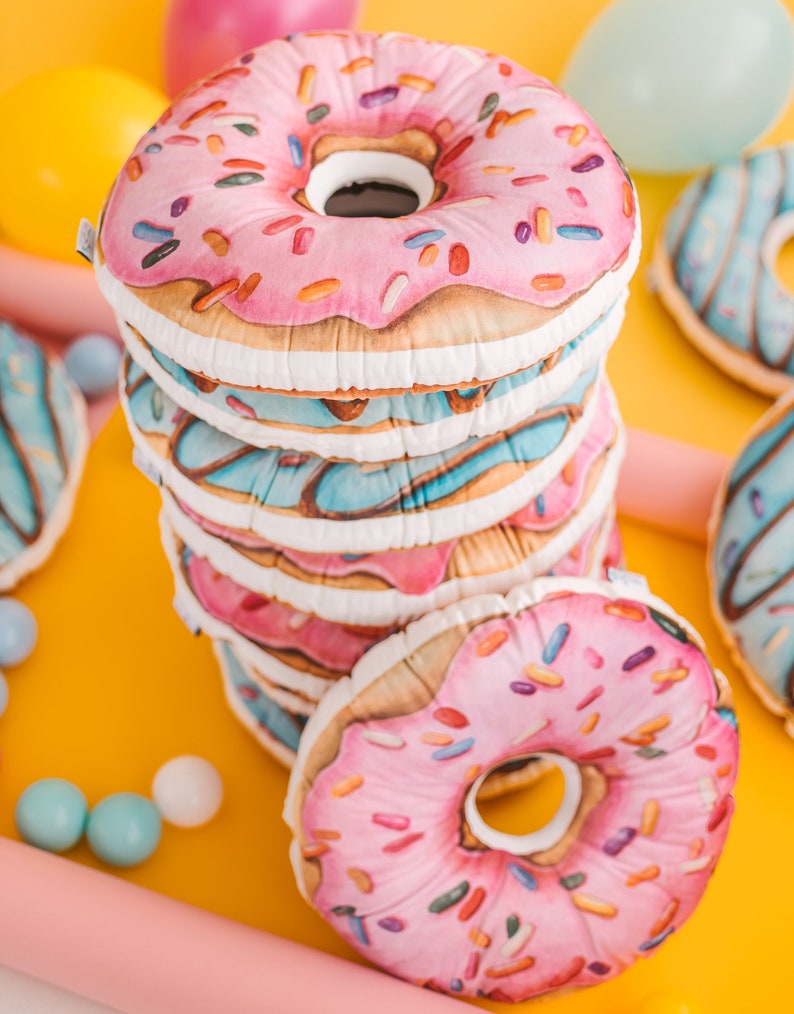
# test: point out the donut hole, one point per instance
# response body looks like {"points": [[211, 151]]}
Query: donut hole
{"points": [[521, 799], [536, 815], [778, 250], [373, 199], [368, 184]]}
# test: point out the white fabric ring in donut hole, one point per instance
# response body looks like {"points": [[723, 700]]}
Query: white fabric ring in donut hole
{"points": [[542, 838], [344, 170], [601, 679], [216, 244]]}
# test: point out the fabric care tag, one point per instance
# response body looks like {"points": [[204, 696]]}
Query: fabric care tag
{"points": [[86, 240], [627, 577]]}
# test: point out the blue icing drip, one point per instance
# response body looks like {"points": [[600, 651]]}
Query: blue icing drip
{"points": [[729, 716], [720, 268], [416, 409], [278, 479], [758, 449], [266, 711]]}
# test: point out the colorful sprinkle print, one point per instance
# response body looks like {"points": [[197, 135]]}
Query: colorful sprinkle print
{"points": [[503, 918], [160, 252], [151, 233], [179, 206], [295, 150], [380, 97], [473, 109], [420, 239], [239, 180], [588, 164], [449, 898]]}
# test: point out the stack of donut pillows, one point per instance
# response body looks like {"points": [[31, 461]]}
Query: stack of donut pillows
{"points": [[367, 285]]}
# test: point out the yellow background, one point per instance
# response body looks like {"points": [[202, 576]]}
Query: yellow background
{"points": [[116, 685]]}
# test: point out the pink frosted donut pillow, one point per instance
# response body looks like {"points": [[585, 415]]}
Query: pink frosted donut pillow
{"points": [[600, 679], [222, 244]]}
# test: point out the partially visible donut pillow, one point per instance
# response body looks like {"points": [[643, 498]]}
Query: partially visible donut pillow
{"points": [[715, 267], [43, 444], [751, 559]]}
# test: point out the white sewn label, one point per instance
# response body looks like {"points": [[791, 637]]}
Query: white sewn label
{"points": [[627, 577], [146, 467], [86, 240]]}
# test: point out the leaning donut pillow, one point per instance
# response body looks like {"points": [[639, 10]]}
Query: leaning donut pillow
{"points": [[601, 679], [216, 242]]}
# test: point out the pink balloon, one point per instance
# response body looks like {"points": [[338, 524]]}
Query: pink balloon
{"points": [[200, 35]]}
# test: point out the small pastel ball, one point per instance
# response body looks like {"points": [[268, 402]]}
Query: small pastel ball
{"points": [[124, 829], [669, 1003], [51, 814], [18, 631], [188, 791], [93, 363], [3, 694]]}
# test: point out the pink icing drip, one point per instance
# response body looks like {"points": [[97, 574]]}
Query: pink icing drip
{"points": [[271, 624]]}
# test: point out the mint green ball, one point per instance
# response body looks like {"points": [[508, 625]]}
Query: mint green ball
{"points": [[51, 814], [676, 85], [124, 829]]}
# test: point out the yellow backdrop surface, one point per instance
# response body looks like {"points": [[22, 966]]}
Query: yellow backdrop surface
{"points": [[116, 685]]}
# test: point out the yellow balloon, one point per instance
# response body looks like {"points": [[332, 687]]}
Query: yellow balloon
{"points": [[66, 133]]}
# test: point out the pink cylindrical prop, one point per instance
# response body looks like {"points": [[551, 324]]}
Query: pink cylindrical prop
{"points": [[669, 484], [143, 953]]}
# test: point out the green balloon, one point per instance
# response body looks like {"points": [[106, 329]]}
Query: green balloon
{"points": [[676, 85]]}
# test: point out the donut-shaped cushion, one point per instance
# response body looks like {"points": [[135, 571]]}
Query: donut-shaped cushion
{"points": [[751, 559], [601, 679], [304, 501], [383, 428], [216, 246], [43, 443], [716, 272]]}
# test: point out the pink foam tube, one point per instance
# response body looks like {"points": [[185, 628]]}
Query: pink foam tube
{"points": [[52, 297], [143, 953], [669, 484]]}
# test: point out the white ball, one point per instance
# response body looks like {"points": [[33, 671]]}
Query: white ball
{"points": [[188, 791]]}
